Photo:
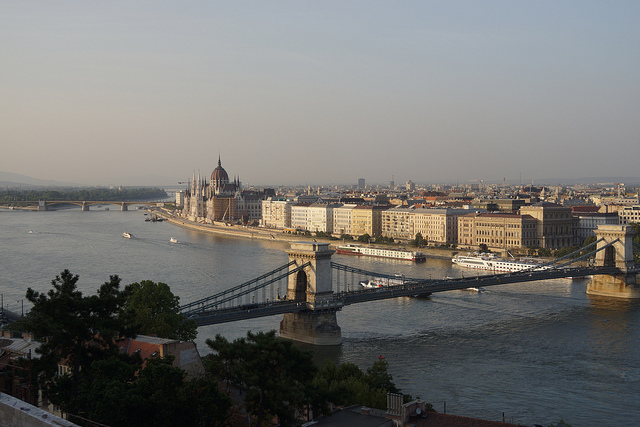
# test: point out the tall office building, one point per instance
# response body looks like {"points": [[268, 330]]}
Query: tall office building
{"points": [[361, 184]]}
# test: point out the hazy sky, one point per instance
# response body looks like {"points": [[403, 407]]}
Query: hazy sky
{"points": [[316, 92]]}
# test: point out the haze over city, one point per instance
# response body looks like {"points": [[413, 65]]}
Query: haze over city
{"points": [[320, 92]]}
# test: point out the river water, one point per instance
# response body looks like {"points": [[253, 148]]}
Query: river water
{"points": [[535, 352]]}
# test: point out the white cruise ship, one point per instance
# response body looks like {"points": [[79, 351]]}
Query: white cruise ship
{"points": [[381, 252], [489, 261]]}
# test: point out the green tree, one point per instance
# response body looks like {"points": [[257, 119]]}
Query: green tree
{"points": [[566, 251], [419, 241], [75, 328], [364, 238], [378, 377], [121, 393], [346, 384], [275, 377], [155, 310], [544, 252]]}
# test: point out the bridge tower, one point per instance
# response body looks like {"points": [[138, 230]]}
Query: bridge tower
{"points": [[620, 255], [311, 286]]}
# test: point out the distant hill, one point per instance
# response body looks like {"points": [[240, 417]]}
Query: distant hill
{"points": [[14, 180]]}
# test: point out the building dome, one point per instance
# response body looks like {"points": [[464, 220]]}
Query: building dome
{"points": [[219, 175]]}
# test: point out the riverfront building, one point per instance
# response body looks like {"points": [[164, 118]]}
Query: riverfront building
{"points": [[437, 225], [497, 230], [367, 219], [396, 223], [300, 216], [342, 217], [555, 227], [276, 213]]}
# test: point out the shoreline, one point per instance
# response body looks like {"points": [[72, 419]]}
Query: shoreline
{"points": [[278, 235]]}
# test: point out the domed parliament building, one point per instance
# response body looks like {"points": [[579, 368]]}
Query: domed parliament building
{"points": [[219, 199]]}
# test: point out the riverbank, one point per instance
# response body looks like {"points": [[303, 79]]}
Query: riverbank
{"points": [[246, 232]]}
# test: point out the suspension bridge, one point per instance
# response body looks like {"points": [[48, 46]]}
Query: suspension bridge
{"points": [[310, 289]]}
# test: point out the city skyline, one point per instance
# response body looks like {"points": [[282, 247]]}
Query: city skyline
{"points": [[309, 93]]}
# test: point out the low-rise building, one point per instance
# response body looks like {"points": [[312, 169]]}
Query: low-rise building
{"points": [[185, 354]]}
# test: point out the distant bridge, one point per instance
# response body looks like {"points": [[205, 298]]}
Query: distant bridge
{"points": [[44, 205], [310, 288]]}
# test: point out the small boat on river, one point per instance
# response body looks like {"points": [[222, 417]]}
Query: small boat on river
{"points": [[127, 235], [173, 240]]}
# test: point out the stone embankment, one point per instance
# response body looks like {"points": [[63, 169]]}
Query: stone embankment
{"points": [[272, 234]]}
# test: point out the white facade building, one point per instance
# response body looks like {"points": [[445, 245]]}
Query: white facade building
{"points": [[320, 217], [300, 216], [276, 213]]}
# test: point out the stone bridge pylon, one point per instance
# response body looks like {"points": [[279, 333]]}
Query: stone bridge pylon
{"points": [[311, 286], [620, 255]]}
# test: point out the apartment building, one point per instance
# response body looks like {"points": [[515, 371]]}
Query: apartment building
{"points": [[320, 217], [300, 216], [396, 223], [367, 219], [276, 213], [342, 216]]}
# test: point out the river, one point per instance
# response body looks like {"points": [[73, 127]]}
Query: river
{"points": [[537, 352]]}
